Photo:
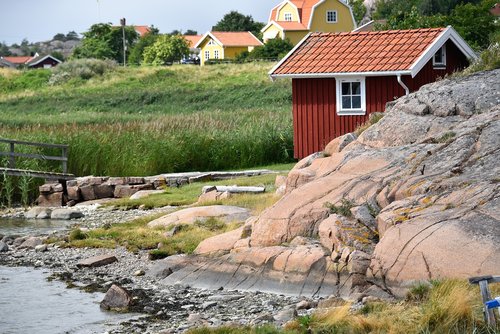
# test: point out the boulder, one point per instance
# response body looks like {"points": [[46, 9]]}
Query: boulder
{"points": [[145, 193], [50, 200], [191, 215], [103, 191], [116, 299], [31, 243], [88, 192], [74, 193], [124, 191], [37, 212], [338, 144], [66, 214], [97, 261], [219, 244]]}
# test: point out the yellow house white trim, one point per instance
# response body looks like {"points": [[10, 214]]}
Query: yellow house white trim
{"points": [[323, 1], [283, 5]]}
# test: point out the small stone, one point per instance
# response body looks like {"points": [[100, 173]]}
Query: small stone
{"points": [[206, 305], [285, 315], [195, 318], [139, 273], [3, 247], [187, 307], [41, 248], [97, 261], [36, 212], [149, 309], [305, 305]]}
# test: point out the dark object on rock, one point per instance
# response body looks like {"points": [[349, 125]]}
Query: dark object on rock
{"points": [[116, 299], [97, 261]]}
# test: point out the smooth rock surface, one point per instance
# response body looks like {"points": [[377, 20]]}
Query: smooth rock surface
{"points": [[117, 299], [190, 215]]}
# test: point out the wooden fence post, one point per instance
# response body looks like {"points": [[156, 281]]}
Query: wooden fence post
{"points": [[12, 158]]}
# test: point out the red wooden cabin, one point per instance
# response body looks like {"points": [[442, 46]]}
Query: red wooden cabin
{"points": [[339, 79]]}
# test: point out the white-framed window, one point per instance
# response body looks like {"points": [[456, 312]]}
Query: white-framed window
{"points": [[211, 42], [331, 16], [439, 59], [351, 96], [288, 17], [216, 54], [207, 55]]}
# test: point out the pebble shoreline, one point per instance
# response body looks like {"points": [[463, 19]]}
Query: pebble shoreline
{"points": [[162, 308]]}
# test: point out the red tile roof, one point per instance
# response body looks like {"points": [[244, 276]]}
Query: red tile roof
{"points": [[244, 38], [193, 39], [358, 52], [142, 30], [305, 8], [291, 26], [18, 60]]}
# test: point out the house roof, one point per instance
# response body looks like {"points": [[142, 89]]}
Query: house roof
{"points": [[142, 30], [18, 60], [366, 53], [305, 9], [38, 60], [223, 38], [193, 39]]}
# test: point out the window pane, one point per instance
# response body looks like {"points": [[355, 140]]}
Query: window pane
{"points": [[346, 88], [356, 102], [346, 102], [356, 88]]}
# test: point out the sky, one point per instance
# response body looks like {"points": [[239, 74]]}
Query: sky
{"points": [[40, 20]]}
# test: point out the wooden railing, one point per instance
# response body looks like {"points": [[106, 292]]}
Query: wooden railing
{"points": [[483, 281], [12, 154]]}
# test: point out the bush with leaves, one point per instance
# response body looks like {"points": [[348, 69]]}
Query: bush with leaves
{"points": [[83, 69], [166, 49]]}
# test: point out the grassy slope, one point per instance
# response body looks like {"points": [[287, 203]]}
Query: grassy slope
{"points": [[144, 121]]}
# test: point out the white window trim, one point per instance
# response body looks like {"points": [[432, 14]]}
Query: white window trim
{"points": [[216, 54], [211, 42], [350, 112], [336, 16], [207, 55], [288, 14], [443, 63]]}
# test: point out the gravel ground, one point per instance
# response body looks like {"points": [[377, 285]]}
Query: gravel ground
{"points": [[163, 309]]}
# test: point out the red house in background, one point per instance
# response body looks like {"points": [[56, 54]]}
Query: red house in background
{"points": [[35, 61], [339, 79]]}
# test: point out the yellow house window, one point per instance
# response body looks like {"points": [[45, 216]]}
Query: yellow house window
{"points": [[211, 42], [207, 55], [288, 17], [216, 54], [331, 16]]}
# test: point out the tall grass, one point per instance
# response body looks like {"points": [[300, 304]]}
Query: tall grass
{"points": [[145, 121]]}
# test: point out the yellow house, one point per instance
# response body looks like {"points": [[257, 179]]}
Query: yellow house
{"points": [[225, 45], [294, 19]]}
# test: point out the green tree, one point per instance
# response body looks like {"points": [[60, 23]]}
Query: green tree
{"points": [[137, 52], [273, 49], [58, 55], [474, 23], [104, 41], [358, 9], [166, 49], [234, 21], [72, 36], [59, 37], [191, 32], [4, 50]]}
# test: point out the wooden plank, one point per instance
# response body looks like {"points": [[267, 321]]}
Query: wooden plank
{"points": [[36, 174], [3, 140], [34, 156], [489, 279]]}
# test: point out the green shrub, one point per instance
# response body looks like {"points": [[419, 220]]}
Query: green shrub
{"points": [[77, 234], [83, 69], [28, 79], [343, 209]]}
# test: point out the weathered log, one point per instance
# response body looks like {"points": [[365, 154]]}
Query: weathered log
{"points": [[234, 189]]}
